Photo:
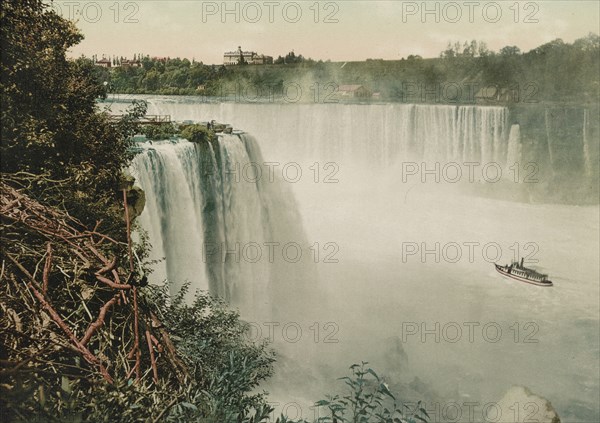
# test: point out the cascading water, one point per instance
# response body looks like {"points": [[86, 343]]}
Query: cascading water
{"points": [[370, 214], [513, 156], [170, 177], [245, 234], [217, 219], [383, 134], [374, 133]]}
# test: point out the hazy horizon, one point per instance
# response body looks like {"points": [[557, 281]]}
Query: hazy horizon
{"points": [[344, 31]]}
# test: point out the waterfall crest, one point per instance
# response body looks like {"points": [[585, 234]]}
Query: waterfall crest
{"points": [[378, 133]]}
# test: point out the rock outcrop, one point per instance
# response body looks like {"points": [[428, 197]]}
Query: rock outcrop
{"points": [[136, 197], [520, 405]]}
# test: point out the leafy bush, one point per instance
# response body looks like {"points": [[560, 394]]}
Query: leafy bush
{"points": [[213, 342], [197, 133], [161, 131], [223, 366], [368, 401], [50, 125]]}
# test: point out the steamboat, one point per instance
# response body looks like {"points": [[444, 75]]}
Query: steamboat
{"points": [[517, 271]]}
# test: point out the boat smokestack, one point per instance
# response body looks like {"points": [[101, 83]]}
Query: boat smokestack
{"points": [[522, 258]]}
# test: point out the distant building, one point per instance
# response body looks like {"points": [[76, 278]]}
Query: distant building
{"points": [[354, 91], [250, 57], [105, 63], [118, 62], [130, 63], [261, 59]]}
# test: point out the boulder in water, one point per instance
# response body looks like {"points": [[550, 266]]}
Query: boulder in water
{"points": [[520, 405]]}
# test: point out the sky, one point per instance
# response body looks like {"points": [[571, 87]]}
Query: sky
{"points": [[325, 30]]}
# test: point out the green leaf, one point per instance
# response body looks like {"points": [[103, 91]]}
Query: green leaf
{"points": [[322, 403], [386, 391], [371, 371]]}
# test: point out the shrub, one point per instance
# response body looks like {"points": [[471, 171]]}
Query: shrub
{"points": [[213, 341], [161, 131], [197, 133], [223, 366], [368, 401]]}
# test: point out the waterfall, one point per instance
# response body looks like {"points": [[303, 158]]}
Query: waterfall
{"points": [[385, 135], [170, 177], [215, 215], [366, 134], [243, 224], [213, 211], [514, 146], [219, 221]]}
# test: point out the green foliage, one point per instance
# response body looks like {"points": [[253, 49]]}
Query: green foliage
{"points": [[162, 131], [197, 133], [165, 76], [561, 72], [212, 339], [289, 59], [225, 368], [50, 124], [58, 148], [368, 400]]}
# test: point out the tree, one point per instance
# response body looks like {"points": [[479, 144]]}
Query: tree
{"points": [[483, 50], [242, 61], [552, 46], [467, 50], [457, 50], [510, 51], [449, 52], [589, 43], [50, 124]]}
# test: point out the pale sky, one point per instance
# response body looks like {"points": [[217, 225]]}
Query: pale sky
{"points": [[356, 30]]}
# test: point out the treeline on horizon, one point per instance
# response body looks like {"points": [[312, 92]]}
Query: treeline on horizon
{"points": [[553, 72]]}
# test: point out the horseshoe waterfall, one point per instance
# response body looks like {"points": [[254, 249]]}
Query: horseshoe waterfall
{"points": [[213, 208], [347, 222], [210, 204]]}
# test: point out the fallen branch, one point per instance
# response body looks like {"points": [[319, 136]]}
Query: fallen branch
{"points": [[99, 321], [81, 256], [162, 413], [107, 267], [171, 352], [128, 223], [111, 283], [138, 352], [152, 359], [47, 267], [87, 355]]}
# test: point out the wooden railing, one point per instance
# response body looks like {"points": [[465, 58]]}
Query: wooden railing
{"points": [[148, 119]]}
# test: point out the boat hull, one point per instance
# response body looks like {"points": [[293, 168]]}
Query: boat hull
{"points": [[521, 279]]}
